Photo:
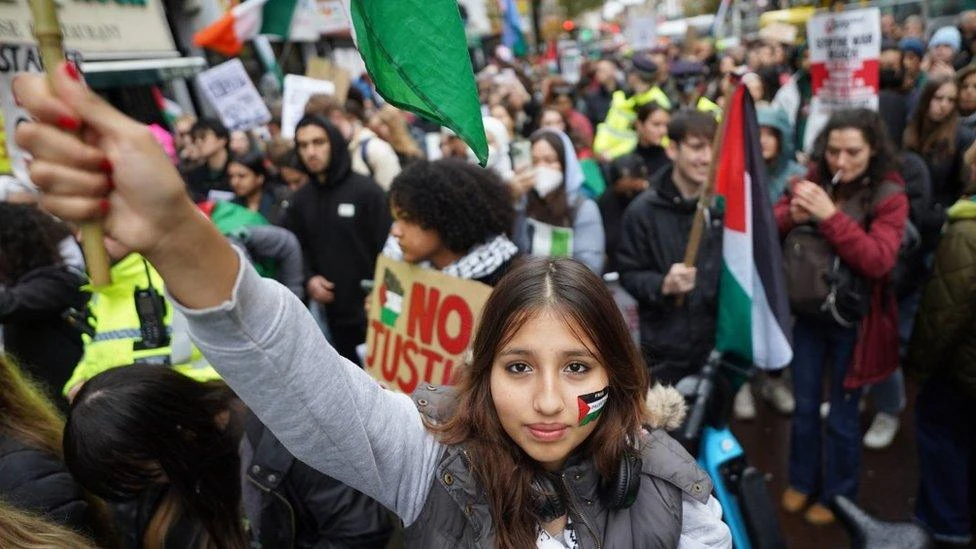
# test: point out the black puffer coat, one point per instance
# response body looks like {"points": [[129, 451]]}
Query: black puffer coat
{"points": [[39, 482]]}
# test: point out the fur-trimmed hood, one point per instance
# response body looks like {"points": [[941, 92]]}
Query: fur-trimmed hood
{"points": [[665, 408]]}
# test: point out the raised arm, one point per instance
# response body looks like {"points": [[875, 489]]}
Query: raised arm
{"points": [[256, 333]]}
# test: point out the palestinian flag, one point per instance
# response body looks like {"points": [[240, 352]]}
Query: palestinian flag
{"points": [[590, 405], [391, 299], [416, 52], [753, 308], [170, 109], [244, 22]]}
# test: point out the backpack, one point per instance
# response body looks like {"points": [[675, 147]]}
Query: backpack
{"points": [[819, 283]]}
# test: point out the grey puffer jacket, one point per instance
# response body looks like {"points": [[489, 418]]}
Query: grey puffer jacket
{"points": [[456, 513]]}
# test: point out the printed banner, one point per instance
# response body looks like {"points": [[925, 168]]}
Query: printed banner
{"points": [[231, 92], [845, 48], [100, 30], [421, 322], [297, 91]]}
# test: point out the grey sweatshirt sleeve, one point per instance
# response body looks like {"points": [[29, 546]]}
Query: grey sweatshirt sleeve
{"points": [[326, 411], [589, 245]]}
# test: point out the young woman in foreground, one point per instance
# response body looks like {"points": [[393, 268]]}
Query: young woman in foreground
{"points": [[543, 444]]}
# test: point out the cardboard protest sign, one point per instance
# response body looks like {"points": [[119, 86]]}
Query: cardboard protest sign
{"points": [[297, 91], [324, 69], [421, 322], [231, 92], [845, 48]]}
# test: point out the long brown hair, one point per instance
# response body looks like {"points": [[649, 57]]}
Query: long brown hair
{"points": [[932, 140], [503, 469], [28, 531], [553, 209], [26, 414]]}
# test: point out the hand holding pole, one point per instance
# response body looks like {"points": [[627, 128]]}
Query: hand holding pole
{"points": [[47, 31]]}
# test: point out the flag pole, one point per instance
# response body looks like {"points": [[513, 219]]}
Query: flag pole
{"points": [[698, 224], [47, 32]]}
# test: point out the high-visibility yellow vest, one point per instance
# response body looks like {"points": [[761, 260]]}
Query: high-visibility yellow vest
{"points": [[118, 338], [615, 136], [705, 104]]}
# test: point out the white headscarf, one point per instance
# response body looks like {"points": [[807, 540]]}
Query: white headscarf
{"points": [[499, 159], [573, 176]]}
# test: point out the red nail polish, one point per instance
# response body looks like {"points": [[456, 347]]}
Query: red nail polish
{"points": [[72, 70], [111, 184], [106, 166], [69, 124], [103, 206]]}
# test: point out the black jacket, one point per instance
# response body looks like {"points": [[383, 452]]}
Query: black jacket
{"points": [[598, 104], [643, 163], [893, 108], [654, 234], [301, 507], [34, 331], [39, 482], [342, 224], [201, 180]]}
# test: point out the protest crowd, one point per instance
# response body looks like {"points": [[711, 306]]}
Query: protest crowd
{"points": [[364, 330]]}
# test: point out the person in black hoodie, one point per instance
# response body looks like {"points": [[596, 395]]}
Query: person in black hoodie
{"points": [[676, 335], [37, 291], [631, 174], [341, 219]]}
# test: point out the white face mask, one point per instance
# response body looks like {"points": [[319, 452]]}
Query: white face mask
{"points": [[547, 180]]}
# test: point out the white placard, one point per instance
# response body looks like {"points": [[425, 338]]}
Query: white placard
{"points": [[297, 91], [307, 23], [333, 16], [641, 33], [17, 58], [570, 61], [232, 94], [845, 48]]}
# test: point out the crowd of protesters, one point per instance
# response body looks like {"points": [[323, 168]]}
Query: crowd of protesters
{"points": [[605, 167]]}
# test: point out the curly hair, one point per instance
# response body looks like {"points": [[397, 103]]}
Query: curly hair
{"points": [[29, 240], [872, 128], [465, 204]]}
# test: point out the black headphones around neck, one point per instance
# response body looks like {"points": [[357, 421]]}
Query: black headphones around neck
{"points": [[620, 493]]}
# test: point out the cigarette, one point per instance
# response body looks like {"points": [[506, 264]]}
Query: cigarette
{"points": [[836, 178]]}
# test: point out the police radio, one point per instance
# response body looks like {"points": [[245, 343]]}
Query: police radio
{"points": [[151, 310]]}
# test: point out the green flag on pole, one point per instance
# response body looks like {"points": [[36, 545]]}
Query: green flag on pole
{"points": [[417, 55]]}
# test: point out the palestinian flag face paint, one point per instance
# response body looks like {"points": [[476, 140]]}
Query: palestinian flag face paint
{"points": [[591, 405]]}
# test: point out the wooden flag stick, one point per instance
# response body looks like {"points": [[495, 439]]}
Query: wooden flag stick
{"points": [[698, 224], [47, 31]]}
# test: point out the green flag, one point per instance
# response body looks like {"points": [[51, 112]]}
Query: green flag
{"points": [[417, 54]]}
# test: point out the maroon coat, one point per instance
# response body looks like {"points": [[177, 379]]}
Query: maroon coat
{"points": [[871, 254]]}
